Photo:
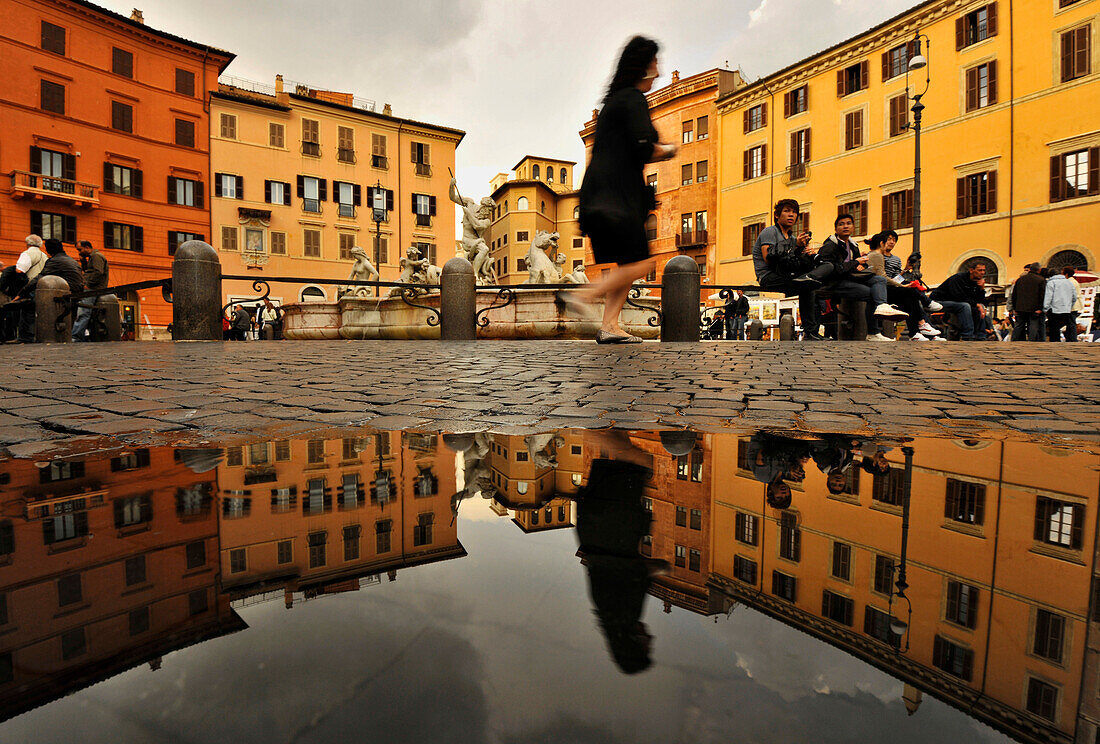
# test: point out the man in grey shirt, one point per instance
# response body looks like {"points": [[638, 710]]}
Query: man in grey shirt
{"points": [[781, 260]]}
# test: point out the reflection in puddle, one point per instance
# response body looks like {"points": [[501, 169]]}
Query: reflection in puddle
{"points": [[962, 569]]}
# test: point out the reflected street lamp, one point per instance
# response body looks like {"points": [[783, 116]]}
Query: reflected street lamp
{"points": [[900, 628], [917, 61]]}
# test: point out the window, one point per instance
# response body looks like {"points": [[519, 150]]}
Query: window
{"points": [[696, 519], [61, 166], [277, 192], [229, 238], [1050, 632], [749, 234], [196, 554], [981, 86], [197, 602], [236, 507], [744, 569], [132, 511], [952, 658], [536, 173], [837, 607], [853, 130], [65, 526], [185, 133], [842, 561], [238, 560], [851, 79], [348, 196], [522, 236], [790, 538], [745, 528], [276, 135], [420, 156], [795, 101], [120, 237], [1059, 522], [139, 621], [701, 231], [858, 210], [888, 487], [284, 551], [965, 502], [347, 242], [228, 186], [69, 590], [119, 179], [685, 174], [962, 604], [351, 542], [783, 586], [1061, 259], [345, 144], [382, 531], [687, 132], [884, 574], [1042, 699], [227, 126], [60, 470], [1074, 174], [317, 542], [876, 624], [311, 137], [685, 230], [52, 97], [681, 516], [976, 194], [549, 174], [521, 203], [896, 61], [73, 643], [755, 117], [185, 82], [702, 128], [680, 556], [422, 530], [897, 210], [701, 171], [800, 150], [650, 228], [312, 191], [378, 151], [423, 206], [899, 115], [53, 38], [976, 26], [186, 192], [1076, 53], [427, 250]]}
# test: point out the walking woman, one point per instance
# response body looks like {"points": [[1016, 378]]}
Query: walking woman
{"points": [[615, 199]]}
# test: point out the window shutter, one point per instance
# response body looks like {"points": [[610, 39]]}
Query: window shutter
{"points": [[745, 118], [427, 154], [1067, 55], [971, 89], [431, 206], [763, 159], [108, 177], [1056, 180], [240, 186], [36, 159], [840, 84], [794, 149], [1081, 64], [848, 126], [217, 184], [960, 198], [763, 114], [807, 147], [413, 150], [960, 32], [68, 229], [1040, 517], [171, 189], [322, 189], [1094, 171], [286, 194], [108, 236], [908, 209], [370, 196], [1076, 527], [301, 187], [991, 192], [992, 66], [389, 200], [267, 192], [137, 188], [356, 195], [991, 18], [885, 66], [786, 105], [864, 74], [886, 213], [68, 167], [859, 129], [138, 238], [745, 166], [412, 200]]}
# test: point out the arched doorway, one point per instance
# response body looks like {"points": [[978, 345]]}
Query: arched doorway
{"points": [[991, 271], [1062, 259]]}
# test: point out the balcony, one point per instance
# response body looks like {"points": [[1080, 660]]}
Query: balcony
{"points": [[688, 239], [423, 169], [344, 155], [313, 149], [423, 220], [379, 161], [798, 172], [27, 185]]}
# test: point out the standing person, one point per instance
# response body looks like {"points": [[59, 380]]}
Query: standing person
{"points": [[782, 259], [963, 296], [737, 314], [59, 264], [1058, 300], [614, 198], [270, 315], [1028, 293], [96, 271], [242, 322]]}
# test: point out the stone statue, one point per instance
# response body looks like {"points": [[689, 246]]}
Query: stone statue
{"points": [[642, 291], [362, 270], [540, 268], [477, 475], [543, 449], [414, 270], [577, 277], [476, 219]]}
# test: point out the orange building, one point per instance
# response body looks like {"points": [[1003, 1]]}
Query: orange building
{"points": [[114, 117], [536, 485], [683, 112]]}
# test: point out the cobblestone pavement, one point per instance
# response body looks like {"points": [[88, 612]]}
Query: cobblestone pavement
{"points": [[58, 395]]}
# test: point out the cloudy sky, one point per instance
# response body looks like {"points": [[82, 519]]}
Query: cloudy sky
{"points": [[518, 76]]}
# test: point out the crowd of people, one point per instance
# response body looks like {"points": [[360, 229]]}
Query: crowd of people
{"points": [[242, 323]]}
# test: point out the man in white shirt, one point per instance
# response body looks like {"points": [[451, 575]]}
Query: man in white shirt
{"points": [[32, 259]]}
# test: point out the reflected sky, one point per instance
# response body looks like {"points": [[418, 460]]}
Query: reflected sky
{"points": [[497, 641]]}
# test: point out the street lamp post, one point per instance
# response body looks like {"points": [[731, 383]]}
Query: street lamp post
{"points": [[378, 212], [915, 62]]}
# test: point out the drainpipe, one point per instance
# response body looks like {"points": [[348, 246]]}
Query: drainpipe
{"points": [[1011, 124]]}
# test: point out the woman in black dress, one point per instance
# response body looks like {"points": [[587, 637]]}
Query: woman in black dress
{"points": [[614, 197]]}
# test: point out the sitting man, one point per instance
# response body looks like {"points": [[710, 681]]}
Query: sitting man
{"points": [[781, 260], [962, 295], [59, 264], [850, 277]]}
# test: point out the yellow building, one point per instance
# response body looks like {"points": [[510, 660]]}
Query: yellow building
{"points": [[296, 174], [539, 195], [1010, 170]]}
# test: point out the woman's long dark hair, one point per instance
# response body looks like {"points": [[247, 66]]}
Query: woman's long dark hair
{"points": [[633, 63]]}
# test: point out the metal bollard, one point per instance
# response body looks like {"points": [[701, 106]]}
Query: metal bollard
{"points": [[786, 327], [680, 300], [112, 316], [756, 330], [196, 293], [458, 301], [851, 320], [46, 311]]}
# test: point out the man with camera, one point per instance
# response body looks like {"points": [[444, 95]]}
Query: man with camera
{"points": [[781, 261]]}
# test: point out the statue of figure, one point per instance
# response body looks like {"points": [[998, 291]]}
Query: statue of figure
{"points": [[362, 270], [577, 277], [476, 218], [543, 449], [642, 291], [477, 474], [540, 268], [413, 270]]}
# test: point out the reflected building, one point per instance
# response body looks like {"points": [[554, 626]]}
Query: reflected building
{"points": [[535, 477]]}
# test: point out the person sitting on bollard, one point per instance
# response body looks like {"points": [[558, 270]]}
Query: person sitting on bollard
{"points": [[96, 271], [908, 277], [783, 262], [850, 278], [59, 264], [962, 296], [897, 293]]}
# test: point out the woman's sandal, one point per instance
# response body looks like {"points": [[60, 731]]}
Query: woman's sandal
{"points": [[603, 337]]}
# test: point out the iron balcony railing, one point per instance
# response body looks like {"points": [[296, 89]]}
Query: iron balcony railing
{"points": [[29, 183]]}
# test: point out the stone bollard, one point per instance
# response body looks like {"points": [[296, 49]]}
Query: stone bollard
{"points": [[196, 293], [851, 324], [46, 311], [680, 300], [112, 316], [458, 301], [786, 327], [756, 330]]}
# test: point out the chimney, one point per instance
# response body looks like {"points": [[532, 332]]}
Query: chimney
{"points": [[137, 15], [675, 76], [278, 84], [386, 110], [281, 95]]}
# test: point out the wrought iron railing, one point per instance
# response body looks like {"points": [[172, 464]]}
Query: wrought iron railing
{"points": [[22, 180]]}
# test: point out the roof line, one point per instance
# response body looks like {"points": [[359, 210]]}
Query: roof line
{"points": [[353, 109]]}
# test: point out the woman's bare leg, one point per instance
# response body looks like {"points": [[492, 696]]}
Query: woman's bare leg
{"points": [[615, 288]]}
